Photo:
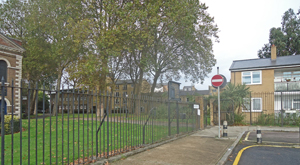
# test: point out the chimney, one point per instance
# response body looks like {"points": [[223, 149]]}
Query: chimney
{"points": [[273, 52]]}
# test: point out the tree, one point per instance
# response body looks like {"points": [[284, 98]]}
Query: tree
{"points": [[286, 38], [236, 93]]}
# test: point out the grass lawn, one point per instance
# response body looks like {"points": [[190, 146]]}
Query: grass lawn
{"points": [[81, 141]]}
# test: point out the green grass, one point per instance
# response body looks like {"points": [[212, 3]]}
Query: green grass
{"points": [[121, 136]]}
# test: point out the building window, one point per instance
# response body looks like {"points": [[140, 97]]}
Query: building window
{"points": [[117, 101], [132, 85], [289, 104], [3, 70], [124, 87], [253, 77], [117, 94], [125, 94], [184, 89], [117, 87], [190, 89], [187, 99], [256, 105], [296, 104]]}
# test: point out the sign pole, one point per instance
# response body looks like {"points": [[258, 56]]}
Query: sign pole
{"points": [[219, 105]]}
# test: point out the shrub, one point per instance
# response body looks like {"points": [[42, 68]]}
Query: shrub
{"points": [[9, 122], [238, 118]]}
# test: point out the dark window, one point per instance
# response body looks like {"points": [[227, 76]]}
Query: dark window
{"points": [[187, 99], [125, 94], [117, 86], [117, 94], [125, 87], [3, 70]]}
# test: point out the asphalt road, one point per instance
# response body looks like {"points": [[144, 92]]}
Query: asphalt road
{"points": [[270, 155], [277, 148]]}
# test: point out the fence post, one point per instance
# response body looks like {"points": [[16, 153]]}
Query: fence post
{"points": [[281, 110], [169, 120], [2, 120], [107, 124], [250, 111], [177, 118]]}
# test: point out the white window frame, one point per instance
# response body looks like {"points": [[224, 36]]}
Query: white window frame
{"points": [[292, 104], [251, 77], [297, 102], [252, 105]]}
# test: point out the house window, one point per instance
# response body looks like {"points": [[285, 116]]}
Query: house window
{"points": [[296, 104], [117, 101], [117, 87], [184, 89], [117, 94], [190, 89], [256, 105], [132, 85], [289, 104], [125, 94], [187, 99], [3, 70], [125, 87], [253, 77]]}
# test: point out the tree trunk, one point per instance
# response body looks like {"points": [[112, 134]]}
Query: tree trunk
{"points": [[154, 83], [32, 103], [56, 101]]}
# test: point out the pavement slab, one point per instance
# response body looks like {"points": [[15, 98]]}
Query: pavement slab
{"points": [[187, 150]]}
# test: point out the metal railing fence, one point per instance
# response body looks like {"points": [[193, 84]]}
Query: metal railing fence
{"points": [[272, 108], [88, 125]]}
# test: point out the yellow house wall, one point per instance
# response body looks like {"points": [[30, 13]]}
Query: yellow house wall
{"points": [[265, 91], [267, 84]]}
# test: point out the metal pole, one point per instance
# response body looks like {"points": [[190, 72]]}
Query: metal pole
{"points": [[219, 106], [250, 109], [281, 111], [169, 120], [2, 119]]}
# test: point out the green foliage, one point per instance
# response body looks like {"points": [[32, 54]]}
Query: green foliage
{"points": [[9, 122], [40, 101], [238, 118], [286, 38], [236, 93], [272, 119], [267, 119]]}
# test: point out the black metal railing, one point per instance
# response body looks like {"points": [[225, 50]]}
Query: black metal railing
{"points": [[272, 108], [80, 126]]}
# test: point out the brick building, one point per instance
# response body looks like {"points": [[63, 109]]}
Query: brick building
{"points": [[11, 69]]}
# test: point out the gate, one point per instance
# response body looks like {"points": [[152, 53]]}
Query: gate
{"points": [[227, 111]]}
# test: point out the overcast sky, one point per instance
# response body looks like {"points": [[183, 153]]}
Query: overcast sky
{"points": [[244, 29]]}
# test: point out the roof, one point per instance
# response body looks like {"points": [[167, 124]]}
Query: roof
{"points": [[188, 86], [199, 92], [119, 82], [264, 63], [14, 44]]}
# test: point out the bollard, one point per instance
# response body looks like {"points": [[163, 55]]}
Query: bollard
{"points": [[258, 134], [225, 129]]}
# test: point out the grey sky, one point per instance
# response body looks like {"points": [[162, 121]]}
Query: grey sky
{"points": [[244, 29]]}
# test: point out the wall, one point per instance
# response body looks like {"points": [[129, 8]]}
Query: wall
{"points": [[267, 81]]}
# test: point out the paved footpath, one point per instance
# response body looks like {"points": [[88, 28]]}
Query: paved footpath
{"points": [[202, 147]]}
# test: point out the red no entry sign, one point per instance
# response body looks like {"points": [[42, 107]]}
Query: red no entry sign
{"points": [[217, 80]]}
